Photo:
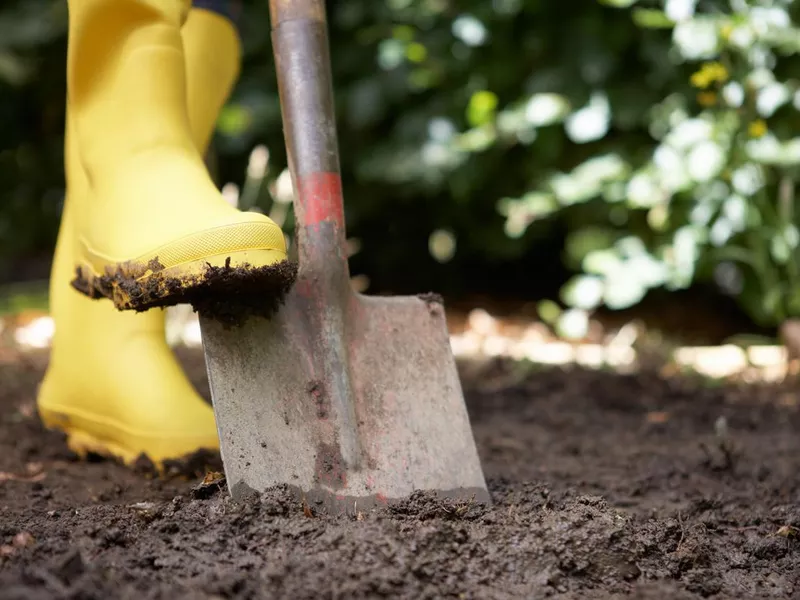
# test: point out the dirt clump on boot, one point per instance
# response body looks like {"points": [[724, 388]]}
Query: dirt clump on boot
{"points": [[226, 294]]}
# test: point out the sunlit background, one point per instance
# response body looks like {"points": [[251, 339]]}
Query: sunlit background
{"points": [[543, 163]]}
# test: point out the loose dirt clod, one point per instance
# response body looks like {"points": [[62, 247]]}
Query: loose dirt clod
{"points": [[431, 298], [212, 483], [590, 501], [187, 467]]}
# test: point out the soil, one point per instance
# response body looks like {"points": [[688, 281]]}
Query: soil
{"points": [[604, 486], [227, 294]]}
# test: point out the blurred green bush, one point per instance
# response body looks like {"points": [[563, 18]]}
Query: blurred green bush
{"points": [[658, 133], [709, 193]]}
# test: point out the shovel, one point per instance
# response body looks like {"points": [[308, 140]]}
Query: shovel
{"points": [[349, 400]]}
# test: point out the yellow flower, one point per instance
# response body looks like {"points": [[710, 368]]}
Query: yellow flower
{"points": [[709, 73], [706, 99], [757, 128]]}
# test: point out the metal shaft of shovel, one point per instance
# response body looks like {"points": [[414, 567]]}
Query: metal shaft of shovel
{"points": [[347, 399], [301, 49]]}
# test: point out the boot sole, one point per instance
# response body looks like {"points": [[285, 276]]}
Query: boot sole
{"points": [[86, 445], [227, 287]]}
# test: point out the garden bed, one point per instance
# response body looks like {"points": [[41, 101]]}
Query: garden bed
{"points": [[605, 485]]}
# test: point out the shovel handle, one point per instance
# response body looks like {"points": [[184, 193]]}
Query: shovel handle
{"points": [[302, 59]]}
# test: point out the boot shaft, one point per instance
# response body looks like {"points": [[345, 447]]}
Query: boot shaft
{"points": [[126, 79]]}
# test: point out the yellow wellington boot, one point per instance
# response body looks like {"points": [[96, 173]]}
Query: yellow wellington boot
{"points": [[112, 384], [158, 231], [213, 58]]}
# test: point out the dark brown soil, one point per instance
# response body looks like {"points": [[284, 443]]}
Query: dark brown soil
{"points": [[228, 294], [605, 486]]}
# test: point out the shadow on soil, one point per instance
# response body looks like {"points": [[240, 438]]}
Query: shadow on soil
{"points": [[605, 486]]}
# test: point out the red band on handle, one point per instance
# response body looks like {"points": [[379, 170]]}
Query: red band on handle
{"points": [[320, 196]]}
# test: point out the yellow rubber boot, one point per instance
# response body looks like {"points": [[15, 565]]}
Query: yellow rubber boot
{"points": [[213, 59], [157, 232], [112, 384]]}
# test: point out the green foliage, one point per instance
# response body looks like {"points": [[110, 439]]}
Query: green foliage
{"points": [[691, 159], [660, 133], [32, 34]]}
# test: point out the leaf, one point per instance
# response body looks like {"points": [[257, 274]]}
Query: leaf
{"points": [[623, 291], [793, 302], [234, 120], [548, 311], [481, 108], [573, 324], [583, 291], [14, 70], [619, 3], [649, 18], [735, 254], [772, 304], [779, 249], [581, 243]]}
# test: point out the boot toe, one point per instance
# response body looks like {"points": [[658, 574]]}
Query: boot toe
{"points": [[246, 257]]}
